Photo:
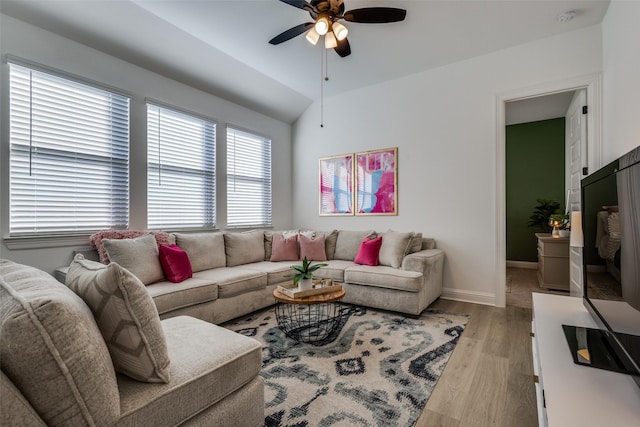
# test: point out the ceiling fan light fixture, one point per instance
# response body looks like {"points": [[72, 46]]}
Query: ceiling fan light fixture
{"points": [[312, 36], [340, 31], [330, 40], [322, 25]]}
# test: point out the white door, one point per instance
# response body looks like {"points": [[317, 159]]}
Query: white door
{"points": [[576, 160]]}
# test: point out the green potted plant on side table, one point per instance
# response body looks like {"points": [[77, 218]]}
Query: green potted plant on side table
{"points": [[302, 278], [560, 224], [541, 214]]}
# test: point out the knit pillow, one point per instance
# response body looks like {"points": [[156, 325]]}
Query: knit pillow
{"points": [[126, 316]]}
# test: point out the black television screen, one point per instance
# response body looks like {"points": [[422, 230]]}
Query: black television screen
{"points": [[611, 262]]}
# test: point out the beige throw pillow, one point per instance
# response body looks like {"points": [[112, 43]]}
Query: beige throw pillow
{"points": [[395, 246], [139, 256], [348, 243], [205, 250], [126, 316]]}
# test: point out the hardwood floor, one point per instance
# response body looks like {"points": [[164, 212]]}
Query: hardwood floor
{"points": [[488, 380]]}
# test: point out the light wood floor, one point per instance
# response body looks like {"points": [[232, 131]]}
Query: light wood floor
{"points": [[488, 380]]}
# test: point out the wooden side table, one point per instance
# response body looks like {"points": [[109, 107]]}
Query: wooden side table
{"points": [[553, 262], [315, 319]]}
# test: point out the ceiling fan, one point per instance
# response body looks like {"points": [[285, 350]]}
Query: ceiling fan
{"points": [[326, 14]]}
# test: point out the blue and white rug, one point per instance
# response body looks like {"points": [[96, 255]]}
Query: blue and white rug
{"points": [[379, 371]]}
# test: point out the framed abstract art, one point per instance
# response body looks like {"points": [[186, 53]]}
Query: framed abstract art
{"points": [[336, 185], [377, 182]]}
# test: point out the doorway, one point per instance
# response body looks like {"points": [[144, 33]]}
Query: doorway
{"points": [[591, 86]]}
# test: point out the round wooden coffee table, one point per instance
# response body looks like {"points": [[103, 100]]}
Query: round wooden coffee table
{"points": [[312, 319]]}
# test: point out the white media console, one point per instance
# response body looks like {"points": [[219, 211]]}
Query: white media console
{"points": [[570, 394]]}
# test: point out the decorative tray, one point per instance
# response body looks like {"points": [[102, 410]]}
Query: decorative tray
{"points": [[295, 292]]}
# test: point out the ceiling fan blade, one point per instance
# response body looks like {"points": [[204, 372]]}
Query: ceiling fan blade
{"points": [[343, 49], [291, 33], [300, 4], [375, 15]]}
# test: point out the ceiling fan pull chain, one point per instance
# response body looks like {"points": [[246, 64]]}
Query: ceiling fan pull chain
{"points": [[322, 68]]}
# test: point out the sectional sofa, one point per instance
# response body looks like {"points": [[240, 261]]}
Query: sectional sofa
{"points": [[233, 272]]}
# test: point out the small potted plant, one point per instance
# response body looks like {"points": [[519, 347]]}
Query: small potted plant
{"points": [[541, 214], [302, 278], [560, 224]]}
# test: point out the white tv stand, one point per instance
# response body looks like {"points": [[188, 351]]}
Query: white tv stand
{"points": [[570, 394]]}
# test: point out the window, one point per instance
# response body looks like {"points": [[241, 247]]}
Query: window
{"points": [[248, 179], [69, 155], [181, 170]]}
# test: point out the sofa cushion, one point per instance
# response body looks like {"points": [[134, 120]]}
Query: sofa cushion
{"points": [[14, 408], [126, 315], [234, 281], [313, 248], [243, 248], [415, 245], [209, 363], [348, 243], [168, 296], [369, 251], [205, 250], [50, 346], [95, 239], [284, 248], [395, 246], [276, 271], [384, 277], [138, 255], [175, 263], [333, 271]]}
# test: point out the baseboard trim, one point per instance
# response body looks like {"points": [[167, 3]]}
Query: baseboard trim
{"points": [[523, 264], [469, 296]]}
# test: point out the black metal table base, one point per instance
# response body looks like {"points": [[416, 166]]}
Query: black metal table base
{"points": [[309, 323]]}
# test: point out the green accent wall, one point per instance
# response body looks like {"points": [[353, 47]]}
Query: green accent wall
{"points": [[535, 161]]}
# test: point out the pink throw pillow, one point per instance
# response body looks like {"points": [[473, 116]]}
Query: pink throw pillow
{"points": [[175, 263], [312, 249], [369, 251], [284, 249]]}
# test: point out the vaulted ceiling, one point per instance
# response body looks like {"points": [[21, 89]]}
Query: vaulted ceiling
{"points": [[221, 46]]}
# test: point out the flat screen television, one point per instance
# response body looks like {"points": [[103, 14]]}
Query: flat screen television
{"points": [[611, 268]]}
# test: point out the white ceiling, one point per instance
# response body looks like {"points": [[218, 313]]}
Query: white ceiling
{"points": [[539, 108], [221, 46]]}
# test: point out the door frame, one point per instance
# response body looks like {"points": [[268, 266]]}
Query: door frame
{"points": [[593, 85]]}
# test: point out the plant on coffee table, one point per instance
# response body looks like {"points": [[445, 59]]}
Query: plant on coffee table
{"points": [[304, 273]]}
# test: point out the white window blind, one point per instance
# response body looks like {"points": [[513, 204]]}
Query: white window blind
{"points": [[181, 170], [69, 155], [248, 179]]}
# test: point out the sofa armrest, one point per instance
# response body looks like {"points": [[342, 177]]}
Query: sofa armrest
{"points": [[430, 263]]}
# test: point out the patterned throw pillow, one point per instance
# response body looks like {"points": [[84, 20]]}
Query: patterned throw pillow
{"points": [[126, 316], [368, 252]]}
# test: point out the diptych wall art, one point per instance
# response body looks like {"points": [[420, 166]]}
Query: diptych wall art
{"points": [[364, 183], [377, 182], [336, 185]]}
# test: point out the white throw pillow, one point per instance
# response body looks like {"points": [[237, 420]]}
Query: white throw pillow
{"points": [[395, 246]]}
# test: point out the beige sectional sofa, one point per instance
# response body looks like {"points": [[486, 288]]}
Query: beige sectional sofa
{"points": [[233, 274]]}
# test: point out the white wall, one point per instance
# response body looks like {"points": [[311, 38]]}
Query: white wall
{"points": [[621, 79], [443, 122], [34, 44]]}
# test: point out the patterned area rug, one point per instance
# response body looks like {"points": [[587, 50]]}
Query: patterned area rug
{"points": [[379, 369]]}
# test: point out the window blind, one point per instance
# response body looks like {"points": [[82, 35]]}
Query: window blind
{"points": [[248, 179], [181, 170], [69, 155]]}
